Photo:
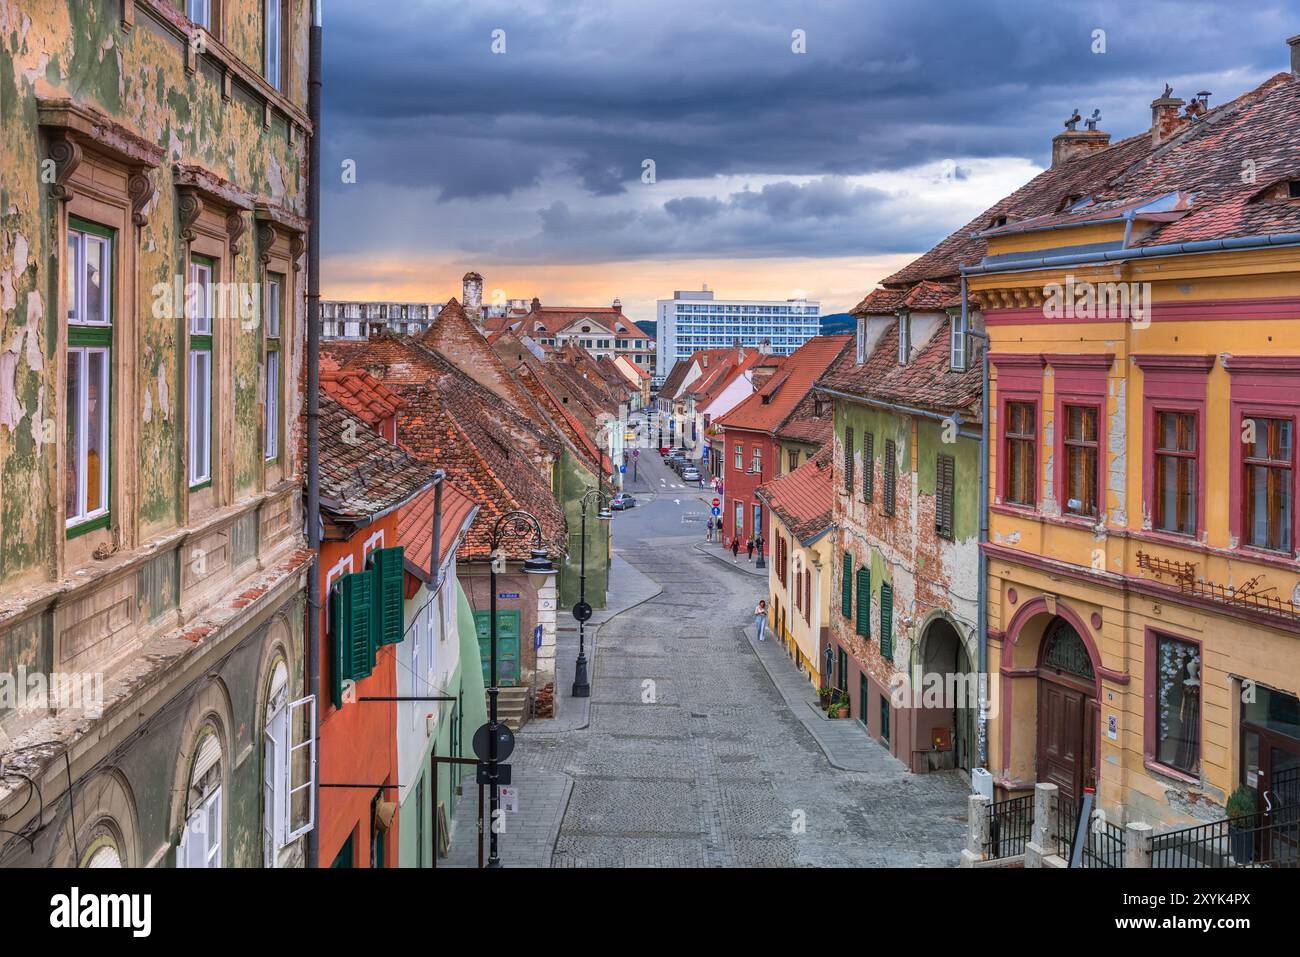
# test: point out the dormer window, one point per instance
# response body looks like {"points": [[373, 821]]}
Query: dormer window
{"points": [[904, 338], [1068, 200], [862, 340], [1293, 189], [997, 222], [960, 342]]}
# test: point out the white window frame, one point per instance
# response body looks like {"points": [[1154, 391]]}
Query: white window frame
{"points": [[200, 13], [904, 339], [271, 448], [200, 323], [273, 13], [80, 242], [958, 356], [201, 844], [308, 744]]}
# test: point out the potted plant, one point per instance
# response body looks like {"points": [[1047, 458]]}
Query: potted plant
{"points": [[824, 697], [1241, 811]]}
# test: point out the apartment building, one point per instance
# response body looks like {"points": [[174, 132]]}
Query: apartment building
{"points": [[694, 320]]}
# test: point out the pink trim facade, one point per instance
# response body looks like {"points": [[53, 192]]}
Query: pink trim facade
{"points": [[1263, 387], [1173, 384], [1149, 711], [1208, 310], [1080, 381]]}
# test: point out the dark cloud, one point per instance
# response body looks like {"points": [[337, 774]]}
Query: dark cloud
{"points": [[584, 93]]}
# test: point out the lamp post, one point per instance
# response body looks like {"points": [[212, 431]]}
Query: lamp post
{"points": [[540, 570], [582, 611]]}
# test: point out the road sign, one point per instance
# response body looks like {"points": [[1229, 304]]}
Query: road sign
{"points": [[503, 774], [636, 453], [622, 469], [582, 611], [716, 502], [716, 511], [505, 742], [509, 799], [537, 633]]}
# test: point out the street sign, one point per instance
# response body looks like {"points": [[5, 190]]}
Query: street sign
{"points": [[716, 502], [505, 742], [537, 635], [503, 774], [582, 611], [508, 594], [622, 469], [636, 453], [716, 511]]}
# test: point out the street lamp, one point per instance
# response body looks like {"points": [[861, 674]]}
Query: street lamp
{"points": [[540, 570], [582, 611]]}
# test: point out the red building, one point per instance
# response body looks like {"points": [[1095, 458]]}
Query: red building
{"points": [[365, 480], [749, 434]]}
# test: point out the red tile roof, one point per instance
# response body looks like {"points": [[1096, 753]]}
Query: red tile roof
{"points": [[772, 404], [415, 524], [803, 499], [361, 394]]}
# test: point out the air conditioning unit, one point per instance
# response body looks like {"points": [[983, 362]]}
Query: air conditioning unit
{"points": [[981, 782]]}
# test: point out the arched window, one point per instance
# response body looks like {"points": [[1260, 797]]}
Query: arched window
{"points": [[1063, 650], [274, 763], [201, 839]]}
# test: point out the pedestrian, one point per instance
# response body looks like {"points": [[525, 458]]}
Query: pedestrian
{"points": [[760, 620], [708, 530], [735, 548], [749, 550]]}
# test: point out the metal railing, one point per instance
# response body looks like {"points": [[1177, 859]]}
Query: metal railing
{"points": [[1263, 839], [1104, 847], [1010, 823]]}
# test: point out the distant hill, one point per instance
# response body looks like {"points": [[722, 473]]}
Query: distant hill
{"points": [[839, 323], [651, 328]]}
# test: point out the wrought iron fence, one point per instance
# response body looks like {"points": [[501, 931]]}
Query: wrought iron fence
{"points": [[1104, 846], [1263, 839], [1010, 823]]}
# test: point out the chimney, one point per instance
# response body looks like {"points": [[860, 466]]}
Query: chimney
{"points": [[618, 305], [1295, 54], [472, 296], [1073, 142], [1165, 120], [536, 304], [765, 347]]}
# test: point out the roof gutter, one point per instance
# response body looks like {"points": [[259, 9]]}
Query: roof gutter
{"points": [[1198, 247], [895, 407], [982, 590]]}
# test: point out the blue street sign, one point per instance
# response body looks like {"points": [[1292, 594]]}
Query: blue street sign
{"points": [[716, 511], [537, 637], [622, 469]]}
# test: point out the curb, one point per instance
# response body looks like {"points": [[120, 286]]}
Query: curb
{"points": [[698, 546]]}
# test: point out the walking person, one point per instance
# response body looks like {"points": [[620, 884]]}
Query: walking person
{"points": [[708, 530], [749, 550], [735, 548], [760, 620]]}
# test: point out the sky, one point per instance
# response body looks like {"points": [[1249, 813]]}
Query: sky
{"points": [[586, 151]]}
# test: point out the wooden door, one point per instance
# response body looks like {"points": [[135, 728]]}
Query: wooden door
{"points": [[1065, 743]]}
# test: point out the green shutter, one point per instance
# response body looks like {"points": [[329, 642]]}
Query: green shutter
{"points": [[388, 567], [887, 622], [846, 587], [352, 606], [863, 621]]}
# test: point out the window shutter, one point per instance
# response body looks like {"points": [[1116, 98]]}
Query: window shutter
{"points": [[887, 621], [944, 491], [846, 587], [889, 476], [868, 466], [387, 565], [848, 461], [807, 594], [863, 621], [354, 655]]}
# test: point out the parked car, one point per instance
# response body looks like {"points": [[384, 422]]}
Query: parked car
{"points": [[691, 474], [621, 501]]}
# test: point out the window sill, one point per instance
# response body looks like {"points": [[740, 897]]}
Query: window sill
{"points": [[89, 525], [1151, 764], [207, 483]]}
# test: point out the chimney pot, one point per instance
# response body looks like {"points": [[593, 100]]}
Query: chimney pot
{"points": [[472, 296], [1165, 118]]}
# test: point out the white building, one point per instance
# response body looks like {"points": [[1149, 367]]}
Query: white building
{"points": [[356, 320], [693, 320]]}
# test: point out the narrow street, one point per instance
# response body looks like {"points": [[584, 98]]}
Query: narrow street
{"points": [[692, 756]]}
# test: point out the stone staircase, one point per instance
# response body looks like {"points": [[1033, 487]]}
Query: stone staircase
{"points": [[512, 707]]}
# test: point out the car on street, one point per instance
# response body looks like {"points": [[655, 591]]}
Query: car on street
{"points": [[691, 474], [621, 501]]}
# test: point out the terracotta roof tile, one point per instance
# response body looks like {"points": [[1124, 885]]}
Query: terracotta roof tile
{"points": [[803, 499], [776, 399]]}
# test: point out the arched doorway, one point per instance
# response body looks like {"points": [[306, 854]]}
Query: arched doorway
{"points": [[1067, 710], [946, 724]]}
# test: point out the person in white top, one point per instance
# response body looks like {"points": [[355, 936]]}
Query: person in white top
{"points": [[760, 620]]}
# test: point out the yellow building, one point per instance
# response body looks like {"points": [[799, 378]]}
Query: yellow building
{"points": [[799, 576], [1143, 583]]}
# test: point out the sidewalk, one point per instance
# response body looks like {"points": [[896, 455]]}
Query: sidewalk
{"points": [[844, 741], [718, 553], [627, 588], [530, 834]]}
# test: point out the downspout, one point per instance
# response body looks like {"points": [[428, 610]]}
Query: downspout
{"points": [[435, 556], [982, 613], [313, 418]]}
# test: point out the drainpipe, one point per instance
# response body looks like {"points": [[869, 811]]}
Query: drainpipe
{"points": [[435, 557], [313, 416], [982, 614]]}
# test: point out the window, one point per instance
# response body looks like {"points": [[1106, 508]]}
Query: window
{"points": [[1176, 473], [846, 586], [199, 310], [862, 340], [862, 624], [807, 594], [868, 467], [904, 338], [274, 301], [944, 493], [739, 515], [1269, 485], [843, 676], [200, 12], [756, 463], [1178, 704], [273, 43], [792, 461], [740, 456], [757, 527], [848, 461], [200, 844], [1081, 451], [90, 340], [959, 346], [891, 467], [1021, 450], [887, 621], [884, 719]]}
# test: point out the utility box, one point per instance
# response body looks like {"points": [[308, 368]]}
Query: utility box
{"points": [[981, 782]]}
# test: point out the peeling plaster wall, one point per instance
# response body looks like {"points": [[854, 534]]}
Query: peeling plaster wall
{"points": [[77, 48]]}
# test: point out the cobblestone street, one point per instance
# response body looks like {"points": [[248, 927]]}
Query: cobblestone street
{"points": [[692, 756]]}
